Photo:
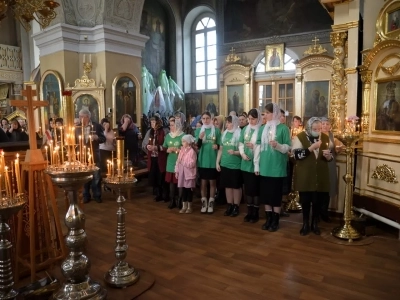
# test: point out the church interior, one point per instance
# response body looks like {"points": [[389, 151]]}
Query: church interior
{"points": [[127, 63]]}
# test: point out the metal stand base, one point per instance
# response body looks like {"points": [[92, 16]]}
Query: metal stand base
{"points": [[293, 204], [10, 296], [346, 232], [121, 275], [84, 290]]}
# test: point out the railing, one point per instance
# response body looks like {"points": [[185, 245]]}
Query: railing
{"points": [[10, 58]]}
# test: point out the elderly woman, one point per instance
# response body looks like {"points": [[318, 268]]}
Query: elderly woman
{"points": [[335, 146], [156, 157], [16, 133], [129, 130], [311, 151]]}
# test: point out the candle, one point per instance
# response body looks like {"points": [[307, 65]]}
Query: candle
{"points": [[112, 161], [270, 135], [84, 155], [62, 145], [80, 147], [131, 172], [127, 158], [91, 148], [84, 58], [1, 190], [7, 181], [90, 58], [47, 157]]}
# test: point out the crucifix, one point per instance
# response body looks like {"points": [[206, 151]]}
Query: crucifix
{"points": [[315, 40], [46, 242], [29, 105]]}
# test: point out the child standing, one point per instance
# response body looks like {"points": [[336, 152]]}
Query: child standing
{"points": [[185, 172]]}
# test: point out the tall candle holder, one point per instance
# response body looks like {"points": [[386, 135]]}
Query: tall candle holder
{"points": [[70, 175], [349, 136], [9, 206], [121, 273]]}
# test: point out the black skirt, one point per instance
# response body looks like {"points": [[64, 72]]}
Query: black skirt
{"points": [[271, 190], [251, 184], [208, 173], [230, 178]]}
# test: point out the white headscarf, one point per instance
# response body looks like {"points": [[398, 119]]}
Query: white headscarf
{"points": [[178, 129], [269, 131], [188, 138], [235, 130], [204, 127], [256, 127], [162, 107]]}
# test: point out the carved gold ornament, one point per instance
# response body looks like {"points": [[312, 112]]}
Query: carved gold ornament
{"points": [[315, 49], [26, 11], [232, 57], [387, 24], [386, 173], [392, 69]]}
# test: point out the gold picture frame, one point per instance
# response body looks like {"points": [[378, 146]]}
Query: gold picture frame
{"points": [[385, 114], [51, 89], [388, 22], [122, 89], [274, 57]]}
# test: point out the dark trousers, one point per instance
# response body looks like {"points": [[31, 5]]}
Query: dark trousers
{"points": [[314, 200], [94, 185]]}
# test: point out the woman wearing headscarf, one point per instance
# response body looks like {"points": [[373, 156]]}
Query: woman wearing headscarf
{"points": [[335, 146], [156, 157], [186, 128], [270, 158], [311, 151], [172, 144], [228, 164], [129, 130], [108, 146], [247, 143], [208, 138]]}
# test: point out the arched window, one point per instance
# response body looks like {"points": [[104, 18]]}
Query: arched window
{"points": [[205, 54], [287, 66]]}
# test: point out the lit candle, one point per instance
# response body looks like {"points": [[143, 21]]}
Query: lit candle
{"points": [[47, 157], [84, 155], [112, 161], [62, 144], [131, 172], [7, 182], [1, 190], [270, 135], [80, 148], [91, 147]]}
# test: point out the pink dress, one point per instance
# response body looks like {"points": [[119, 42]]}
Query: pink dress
{"points": [[186, 168]]}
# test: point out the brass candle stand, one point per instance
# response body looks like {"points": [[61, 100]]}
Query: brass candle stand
{"points": [[121, 273], [347, 231], [294, 198], [9, 206], [77, 169]]}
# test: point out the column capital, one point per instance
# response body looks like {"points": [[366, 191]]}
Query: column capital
{"points": [[366, 76], [338, 38]]}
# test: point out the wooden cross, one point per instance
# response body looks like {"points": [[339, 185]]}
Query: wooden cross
{"points": [[315, 40], [29, 105]]}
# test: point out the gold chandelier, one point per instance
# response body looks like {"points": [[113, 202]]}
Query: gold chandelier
{"points": [[26, 11]]}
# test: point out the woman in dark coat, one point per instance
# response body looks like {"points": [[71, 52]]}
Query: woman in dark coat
{"points": [[16, 133], [129, 130]]}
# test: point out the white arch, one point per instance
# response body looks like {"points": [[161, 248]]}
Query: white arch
{"points": [[187, 43]]}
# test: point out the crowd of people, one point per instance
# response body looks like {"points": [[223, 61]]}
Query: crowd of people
{"points": [[13, 131], [250, 156]]}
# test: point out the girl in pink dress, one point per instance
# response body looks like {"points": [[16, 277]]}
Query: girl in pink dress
{"points": [[185, 172]]}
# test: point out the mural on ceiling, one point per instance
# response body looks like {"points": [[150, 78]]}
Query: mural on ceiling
{"points": [[153, 24], [255, 19]]}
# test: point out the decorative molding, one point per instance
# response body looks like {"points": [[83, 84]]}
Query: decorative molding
{"points": [[10, 58], [289, 41], [124, 14], [374, 51], [385, 173], [392, 69], [338, 38], [299, 77], [235, 79], [63, 37], [351, 71], [345, 26], [15, 76]]}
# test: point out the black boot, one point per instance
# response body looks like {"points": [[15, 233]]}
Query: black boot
{"points": [[306, 227], [275, 222], [268, 222], [229, 209], [159, 196], [172, 203], [249, 215], [255, 217], [178, 202], [314, 225], [235, 211]]}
